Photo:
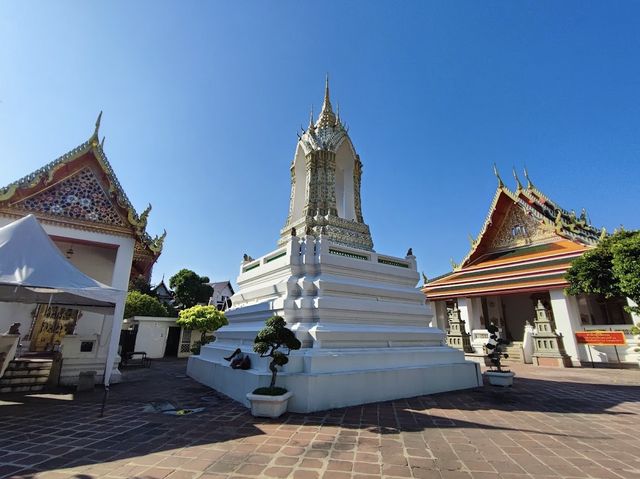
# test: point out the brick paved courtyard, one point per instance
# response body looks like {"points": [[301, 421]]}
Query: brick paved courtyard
{"points": [[576, 423]]}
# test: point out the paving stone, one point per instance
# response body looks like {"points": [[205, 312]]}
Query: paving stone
{"points": [[585, 427]]}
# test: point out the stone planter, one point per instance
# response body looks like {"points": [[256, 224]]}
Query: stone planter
{"points": [[497, 378], [269, 406]]}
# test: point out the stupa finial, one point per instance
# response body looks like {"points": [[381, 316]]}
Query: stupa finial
{"points": [[495, 172], [327, 117], [327, 101]]}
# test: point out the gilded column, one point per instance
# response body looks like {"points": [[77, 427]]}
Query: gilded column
{"points": [[357, 174]]}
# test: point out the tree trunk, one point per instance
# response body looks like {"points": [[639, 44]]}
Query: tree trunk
{"points": [[274, 371]]}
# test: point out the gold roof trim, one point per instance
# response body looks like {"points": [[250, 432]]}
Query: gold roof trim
{"points": [[46, 174]]}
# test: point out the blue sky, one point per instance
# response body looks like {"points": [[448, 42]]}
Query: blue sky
{"points": [[202, 101]]}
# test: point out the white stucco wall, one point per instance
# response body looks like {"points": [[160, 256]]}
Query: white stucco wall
{"points": [[152, 335]]}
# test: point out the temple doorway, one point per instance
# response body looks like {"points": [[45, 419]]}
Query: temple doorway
{"points": [[173, 341]]}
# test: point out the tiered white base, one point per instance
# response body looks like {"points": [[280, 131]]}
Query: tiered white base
{"points": [[425, 371], [363, 325]]}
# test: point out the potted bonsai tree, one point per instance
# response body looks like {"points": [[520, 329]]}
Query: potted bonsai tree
{"points": [[275, 341], [495, 347]]}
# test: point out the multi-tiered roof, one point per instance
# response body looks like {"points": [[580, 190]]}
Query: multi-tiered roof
{"points": [[527, 243]]}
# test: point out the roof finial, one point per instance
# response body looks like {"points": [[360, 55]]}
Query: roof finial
{"points": [[515, 175], [327, 117], [102, 142], [311, 125], [95, 132], [526, 175], [327, 101], [495, 172]]}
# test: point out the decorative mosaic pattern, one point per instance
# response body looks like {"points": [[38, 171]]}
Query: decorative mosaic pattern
{"points": [[79, 197], [519, 229]]}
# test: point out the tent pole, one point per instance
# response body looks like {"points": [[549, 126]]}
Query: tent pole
{"points": [[104, 400], [112, 350]]}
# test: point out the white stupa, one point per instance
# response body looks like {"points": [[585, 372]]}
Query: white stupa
{"points": [[364, 327]]}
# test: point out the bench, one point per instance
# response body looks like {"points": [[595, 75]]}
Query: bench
{"points": [[136, 358]]}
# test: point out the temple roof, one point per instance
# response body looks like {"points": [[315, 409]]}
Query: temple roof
{"points": [[80, 190], [527, 242]]}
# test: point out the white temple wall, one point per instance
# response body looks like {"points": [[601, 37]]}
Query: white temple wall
{"points": [[93, 260]]}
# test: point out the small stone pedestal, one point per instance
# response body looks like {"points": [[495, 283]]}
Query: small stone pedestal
{"points": [[458, 337], [548, 346]]}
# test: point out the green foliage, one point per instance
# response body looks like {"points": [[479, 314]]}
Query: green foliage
{"points": [[140, 284], [138, 304], [612, 269], [275, 391], [270, 339], [189, 288], [626, 266], [205, 319]]}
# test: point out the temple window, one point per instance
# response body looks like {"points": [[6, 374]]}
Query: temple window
{"points": [[518, 231]]}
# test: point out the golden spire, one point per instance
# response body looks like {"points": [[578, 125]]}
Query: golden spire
{"points": [[518, 184], [327, 117], [495, 172]]}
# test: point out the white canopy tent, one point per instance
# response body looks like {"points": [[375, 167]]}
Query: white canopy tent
{"points": [[34, 270]]}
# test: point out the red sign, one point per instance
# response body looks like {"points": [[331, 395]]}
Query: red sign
{"points": [[601, 338]]}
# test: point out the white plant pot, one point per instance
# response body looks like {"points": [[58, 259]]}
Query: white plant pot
{"points": [[497, 378], [269, 406]]}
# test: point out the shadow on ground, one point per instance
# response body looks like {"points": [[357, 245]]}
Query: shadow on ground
{"points": [[56, 431]]}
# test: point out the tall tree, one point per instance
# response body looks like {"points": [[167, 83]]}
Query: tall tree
{"points": [[138, 304], [140, 284], [190, 288], [611, 269]]}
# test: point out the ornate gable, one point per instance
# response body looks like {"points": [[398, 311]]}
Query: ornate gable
{"points": [[78, 197], [520, 226], [80, 190], [525, 217]]}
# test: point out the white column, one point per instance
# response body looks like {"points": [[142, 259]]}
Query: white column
{"points": [[634, 316], [567, 319], [476, 313], [465, 305], [440, 315]]}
